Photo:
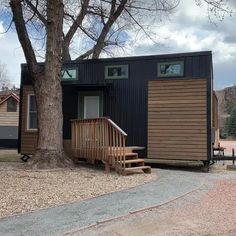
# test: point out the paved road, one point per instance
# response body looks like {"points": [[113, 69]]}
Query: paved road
{"points": [[52, 221]]}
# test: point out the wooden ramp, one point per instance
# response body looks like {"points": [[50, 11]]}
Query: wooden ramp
{"points": [[101, 139]]}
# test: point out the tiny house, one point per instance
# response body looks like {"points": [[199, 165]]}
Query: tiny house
{"points": [[164, 103], [9, 116]]}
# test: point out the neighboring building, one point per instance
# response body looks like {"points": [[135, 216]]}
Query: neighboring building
{"points": [[163, 102], [9, 116]]}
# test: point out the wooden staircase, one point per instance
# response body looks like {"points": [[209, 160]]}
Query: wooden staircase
{"points": [[130, 164], [101, 139]]}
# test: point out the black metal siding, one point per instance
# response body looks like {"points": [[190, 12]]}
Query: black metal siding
{"points": [[125, 100]]}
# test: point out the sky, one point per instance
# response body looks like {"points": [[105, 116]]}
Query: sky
{"points": [[188, 29]]}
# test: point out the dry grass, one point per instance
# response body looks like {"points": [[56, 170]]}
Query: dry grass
{"points": [[24, 190]]}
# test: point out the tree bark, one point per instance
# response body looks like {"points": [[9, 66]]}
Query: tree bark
{"points": [[49, 152], [48, 91], [66, 51]]}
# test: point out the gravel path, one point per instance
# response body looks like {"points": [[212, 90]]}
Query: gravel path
{"points": [[209, 211], [170, 184], [23, 190]]}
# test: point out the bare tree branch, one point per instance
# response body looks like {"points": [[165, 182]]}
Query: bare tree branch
{"points": [[114, 14], [85, 55], [4, 79], [16, 6], [218, 8], [77, 22], [71, 32], [36, 12], [85, 31]]}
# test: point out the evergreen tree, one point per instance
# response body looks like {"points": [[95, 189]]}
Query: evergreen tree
{"points": [[232, 122]]}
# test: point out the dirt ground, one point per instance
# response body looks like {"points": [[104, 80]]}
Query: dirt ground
{"points": [[228, 145], [209, 211], [206, 212]]}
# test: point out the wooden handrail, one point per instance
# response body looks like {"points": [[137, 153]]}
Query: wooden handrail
{"points": [[99, 139], [117, 127]]}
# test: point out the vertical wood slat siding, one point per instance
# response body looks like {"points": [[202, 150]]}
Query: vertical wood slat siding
{"points": [[28, 138], [177, 119]]}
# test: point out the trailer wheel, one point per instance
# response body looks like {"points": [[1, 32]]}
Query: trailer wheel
{"points": [[206, 166]]}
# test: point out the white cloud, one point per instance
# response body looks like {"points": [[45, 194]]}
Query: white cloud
{"points": [[1, 30], [11, 55], [188, 29]]}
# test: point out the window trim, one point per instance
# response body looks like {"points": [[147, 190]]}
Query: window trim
{"points": [[70, 68], [182, 70], [28, 111], [117, 77]]}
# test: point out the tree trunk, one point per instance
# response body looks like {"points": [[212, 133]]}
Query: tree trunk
{"points": [[49, 152], [66, 52], [98, 49], [48, 91]]}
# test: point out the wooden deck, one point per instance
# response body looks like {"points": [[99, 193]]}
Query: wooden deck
{"points": [[101, 139]]}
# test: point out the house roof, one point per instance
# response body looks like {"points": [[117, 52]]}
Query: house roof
{"points": [[130, 58], [5, 93], [6, 97]]}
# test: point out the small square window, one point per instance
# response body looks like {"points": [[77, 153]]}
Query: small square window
{"points": [[116, 72], [170, 69], [69, 74]]}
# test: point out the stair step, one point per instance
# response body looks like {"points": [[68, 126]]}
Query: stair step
{"points": [[131, 154], [128, 154], [132, 161], [145, 169]]}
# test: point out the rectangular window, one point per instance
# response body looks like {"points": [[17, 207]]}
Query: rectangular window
{"points": [[68, 74], [11, 105], [116, 72], [170, 69], [32, 113]]}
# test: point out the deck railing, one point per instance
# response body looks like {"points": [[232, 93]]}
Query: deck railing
{"points": [[99, 139]]}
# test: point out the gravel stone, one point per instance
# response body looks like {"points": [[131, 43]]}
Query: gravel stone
{"points": [[169, 185], [24, 190]]}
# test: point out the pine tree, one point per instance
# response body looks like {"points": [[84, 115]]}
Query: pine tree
{"points": [[232, 123]]}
